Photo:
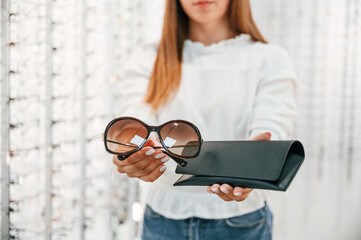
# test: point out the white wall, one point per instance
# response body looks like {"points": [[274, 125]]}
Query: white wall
{"points": [[324, 41]]}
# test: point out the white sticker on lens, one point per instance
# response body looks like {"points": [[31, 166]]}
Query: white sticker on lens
{"points": [[137, 140], [169, 142]]}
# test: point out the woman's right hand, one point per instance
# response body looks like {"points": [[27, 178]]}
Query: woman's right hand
{"points": [[147, 164]]}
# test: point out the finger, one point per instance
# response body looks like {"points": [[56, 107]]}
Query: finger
{"points": [[154, 163], [146, 164], [262, 136], [224, 196], [227, 189], [133, 158], [148, 169], [147, 146], [238, 191], [155, 141], [116, 161], [209, 189], [240, 194], [215, 188], [138, 156], [120, 170], [132, 171], [241, 198], [155, 174], [149, 142]]}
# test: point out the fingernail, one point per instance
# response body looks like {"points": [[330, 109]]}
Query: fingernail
{"points": [[159, 155], [237, 194], [215, 190], [269, 133], [224, 190], [165, 159], [150, 152], [162, 169]]}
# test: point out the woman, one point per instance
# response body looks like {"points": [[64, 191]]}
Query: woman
{"points": [[213, 68]]}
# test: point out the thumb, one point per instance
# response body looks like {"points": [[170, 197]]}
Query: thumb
{"points": [[262, 136], [149, 143]]}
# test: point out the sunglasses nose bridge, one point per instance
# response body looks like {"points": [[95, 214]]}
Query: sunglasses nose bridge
{"points": [[155, 130]]}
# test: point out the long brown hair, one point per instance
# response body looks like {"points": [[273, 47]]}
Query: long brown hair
{"points": [[166, 75]]}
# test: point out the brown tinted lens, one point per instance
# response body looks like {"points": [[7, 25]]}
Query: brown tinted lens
{"points": [[180, 138], [125, 135]]}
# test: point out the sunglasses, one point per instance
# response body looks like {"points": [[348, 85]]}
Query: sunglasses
{"points": [[180, 139]]}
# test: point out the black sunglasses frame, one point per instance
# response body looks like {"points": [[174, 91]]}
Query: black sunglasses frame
{"points": [[177, 158]]}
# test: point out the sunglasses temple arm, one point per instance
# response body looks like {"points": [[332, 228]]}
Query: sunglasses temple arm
{"points": [[179, 161], [124, 144], [177, 146]]}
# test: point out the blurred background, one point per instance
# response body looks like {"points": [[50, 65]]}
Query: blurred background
{"points": [[62, 65]]}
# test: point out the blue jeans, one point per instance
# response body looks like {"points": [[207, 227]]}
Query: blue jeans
{"points": [[256, 225]]}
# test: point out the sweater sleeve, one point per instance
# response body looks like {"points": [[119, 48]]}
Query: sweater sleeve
{"points": [[134, 84], [274, 109]]}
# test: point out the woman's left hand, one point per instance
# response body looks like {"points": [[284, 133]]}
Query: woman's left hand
{"points": [[228, 193]]}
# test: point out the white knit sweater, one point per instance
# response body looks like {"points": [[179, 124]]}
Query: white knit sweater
{"points": [[231, 90]]}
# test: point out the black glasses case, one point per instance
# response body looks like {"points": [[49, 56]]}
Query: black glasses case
{"points": [[252, 164]]}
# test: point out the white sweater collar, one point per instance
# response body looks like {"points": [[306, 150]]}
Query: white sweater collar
{"points": [[200, 47]]}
